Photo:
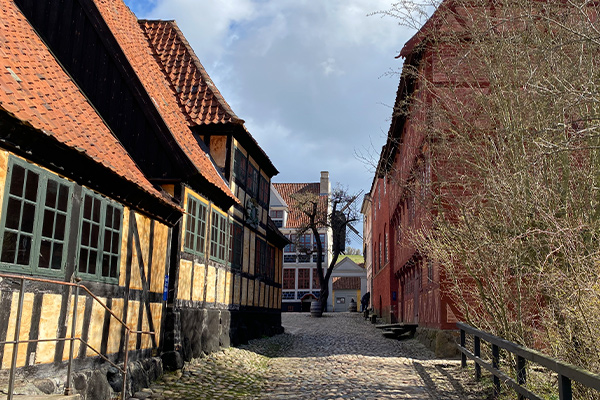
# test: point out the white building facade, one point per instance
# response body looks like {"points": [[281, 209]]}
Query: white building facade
{"points": [[300, 285]]}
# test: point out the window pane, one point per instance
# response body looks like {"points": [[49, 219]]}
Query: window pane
{"points": [[45, 250], [117, 219], [57, 254], [107, 244], [92, 262], [28, 217], [59, 229], [87, 207], [13, 213], [114, 266], [63, 198], [109, 217], [32, 186], [24, 250], [96, 211], [94, 236], [115, 243], [105, 264], [85, 233], [83, 260], [51, 194], [17, 180], [9, 247], [48, 223]]}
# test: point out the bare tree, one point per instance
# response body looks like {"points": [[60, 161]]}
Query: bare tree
{"points": [[338, 212], [506, 98]]}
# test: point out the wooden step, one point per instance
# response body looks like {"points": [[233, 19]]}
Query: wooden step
{"points": [[399, 325]]}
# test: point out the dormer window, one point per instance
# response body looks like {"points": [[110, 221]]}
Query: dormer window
{"points": [[277, 216]]}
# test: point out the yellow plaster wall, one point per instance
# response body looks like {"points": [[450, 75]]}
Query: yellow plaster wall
{"points": [[114, 333], [96, 326], [146, 339], [251, 292], [198, 284], [211, 289], [256, 294], [78, 327], [133, 312], [45, 351], [221, 286], [156, 310], [244, 291], [228, 291], [23, 332], [125, 233], [159, 257], [185, 279]]}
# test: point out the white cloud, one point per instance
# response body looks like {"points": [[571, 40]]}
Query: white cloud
{"points": [[304, 74]]}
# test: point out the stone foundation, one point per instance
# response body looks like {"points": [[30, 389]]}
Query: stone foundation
{"points": [[442, 342]]}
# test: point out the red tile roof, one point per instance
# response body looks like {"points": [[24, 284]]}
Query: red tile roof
{"points": [[35, 89], [198, 96], [346, 283], [130, 37], [296, 218]]}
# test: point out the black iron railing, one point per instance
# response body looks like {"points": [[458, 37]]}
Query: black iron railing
{"points": [[566, 373]]}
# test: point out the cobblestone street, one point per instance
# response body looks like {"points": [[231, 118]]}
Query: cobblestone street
{"points": [[339, 356]]}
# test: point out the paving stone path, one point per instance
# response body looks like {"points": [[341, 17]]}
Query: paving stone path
{"points": [[338, 356]]}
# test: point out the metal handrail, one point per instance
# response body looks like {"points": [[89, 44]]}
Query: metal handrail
{"points": [[76, 285], [566, 372]]}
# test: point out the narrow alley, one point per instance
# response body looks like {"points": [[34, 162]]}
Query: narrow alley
{"points": [[339, 356]]}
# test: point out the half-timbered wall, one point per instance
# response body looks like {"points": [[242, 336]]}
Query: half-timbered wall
{"points": [[54, 228]]}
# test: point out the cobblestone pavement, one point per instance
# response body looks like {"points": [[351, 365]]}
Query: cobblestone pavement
{"points": [[338, 356]]}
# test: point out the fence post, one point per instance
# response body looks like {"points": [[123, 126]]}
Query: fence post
{"points": [[463, 356], [521, 374], [477, 352], [13, 365], [68, 389], [496, 365], [564, 388]]}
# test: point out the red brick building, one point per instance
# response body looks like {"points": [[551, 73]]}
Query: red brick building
{"points": [[407, 287]]}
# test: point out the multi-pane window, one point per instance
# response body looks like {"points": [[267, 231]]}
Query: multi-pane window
{"points": [[260, 257], [195, 226], [100, 240], [271, 262], [303, 278], [263, 193], [240, 165], [252, 181], [316, 282], [35, 199], [218, 237], [385, 247], [291, 248], [304, 242], [304, 258], [277, 217], [237, 245], [289, 258], [289, 278]]}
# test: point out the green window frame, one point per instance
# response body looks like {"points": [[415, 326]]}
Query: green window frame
{"points": [[35, 220], [195, 226], [99, 250], [219, 237]]}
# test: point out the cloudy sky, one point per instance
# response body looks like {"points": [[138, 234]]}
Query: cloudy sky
{"points": [[310, 78]]}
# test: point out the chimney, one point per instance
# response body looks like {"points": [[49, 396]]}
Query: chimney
{"points": [[325, 186]]}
